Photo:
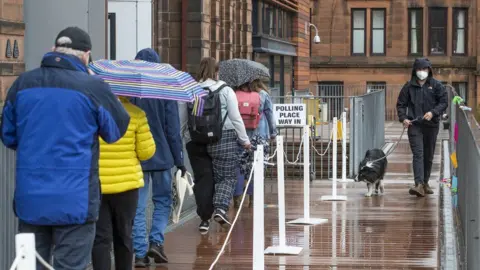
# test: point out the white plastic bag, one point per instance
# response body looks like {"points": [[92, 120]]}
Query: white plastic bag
{"points": [[182, 185]]}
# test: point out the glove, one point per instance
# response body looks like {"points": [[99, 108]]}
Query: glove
{"points": [[183, 169]]}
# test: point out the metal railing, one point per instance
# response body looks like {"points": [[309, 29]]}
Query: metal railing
{"points": [[341, 90], [467, 152], [368, 121], [8, 222]]}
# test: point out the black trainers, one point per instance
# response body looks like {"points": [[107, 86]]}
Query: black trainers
{"points": [[142, 262], [222, 218], [204, 227], [156, 252]]}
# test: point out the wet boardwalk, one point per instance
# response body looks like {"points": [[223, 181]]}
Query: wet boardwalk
{"points": [[394, 231]]}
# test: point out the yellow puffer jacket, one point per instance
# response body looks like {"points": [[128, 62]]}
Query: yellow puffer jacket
{"points": [[119, 164]]}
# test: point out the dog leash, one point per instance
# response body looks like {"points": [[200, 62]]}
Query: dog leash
{"points": [[369, 163]]}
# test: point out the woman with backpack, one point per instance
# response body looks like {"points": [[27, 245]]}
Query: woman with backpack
{"points": [[259, 132], [212, 145]]}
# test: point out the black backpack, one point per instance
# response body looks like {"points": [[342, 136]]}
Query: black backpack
{"points": [[207, 129]]}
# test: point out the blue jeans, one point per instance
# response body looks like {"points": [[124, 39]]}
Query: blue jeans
{"points": [[241, 181], [162, 203], [71, 245]]}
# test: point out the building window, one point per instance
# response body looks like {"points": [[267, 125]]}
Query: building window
{"points": [[438, 30], [332, 99], [459, 31], [377, 34], [358, 31], [462, 89], [415, 35], [376, 86]]}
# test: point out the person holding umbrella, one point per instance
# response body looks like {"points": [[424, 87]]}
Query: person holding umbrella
{"points": [[265, 131], [246, 77], [165, 122], [149, 80], [214, 163]]}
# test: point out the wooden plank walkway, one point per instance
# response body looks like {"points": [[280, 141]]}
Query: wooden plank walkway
{"points": [[394, 231]]}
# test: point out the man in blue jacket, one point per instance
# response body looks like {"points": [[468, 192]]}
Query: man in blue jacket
{"points": [[164, 123], [52, 117]]}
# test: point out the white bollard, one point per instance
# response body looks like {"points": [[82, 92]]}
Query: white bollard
{"points": [[334, 196], [282, 247], [25, 250], [307, 220], [258, 211], [344, 151]]}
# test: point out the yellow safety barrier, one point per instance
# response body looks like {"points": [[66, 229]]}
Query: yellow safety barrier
{"points": [[339, 131]]}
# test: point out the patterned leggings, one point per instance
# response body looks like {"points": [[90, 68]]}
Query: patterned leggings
{"points": [[224, 158]]}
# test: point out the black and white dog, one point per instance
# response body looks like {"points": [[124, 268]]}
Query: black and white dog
{"points": [[372, 170]]}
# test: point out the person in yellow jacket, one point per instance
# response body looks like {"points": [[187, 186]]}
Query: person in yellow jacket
{"points": [[120, 177]]}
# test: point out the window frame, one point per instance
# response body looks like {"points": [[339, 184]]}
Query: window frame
{"points": [[455, 86], [455, 12], [352, 29], [421, 29], [445, 28], [384, 31]]}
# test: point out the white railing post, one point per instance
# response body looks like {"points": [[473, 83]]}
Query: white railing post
{"points": [[282, 247], [307, 220], [344, 150], [258, 210], [25, 251], [334, 196]]}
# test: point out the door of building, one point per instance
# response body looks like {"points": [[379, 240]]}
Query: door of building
{"points": [[129, 28]]}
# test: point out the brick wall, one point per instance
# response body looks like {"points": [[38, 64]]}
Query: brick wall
{"points": [[302, 41], [217, 28], [12, 31], [332, 60]]}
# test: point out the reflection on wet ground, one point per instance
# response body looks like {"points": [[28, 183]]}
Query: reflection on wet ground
{"points": [[393, 231]]}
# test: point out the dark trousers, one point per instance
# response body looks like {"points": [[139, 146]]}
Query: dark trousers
{"points": [[422, 142], [115, 224], [69, 245], [204, 188]]}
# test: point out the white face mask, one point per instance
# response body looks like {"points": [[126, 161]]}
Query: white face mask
{"points": [[422, 75]]}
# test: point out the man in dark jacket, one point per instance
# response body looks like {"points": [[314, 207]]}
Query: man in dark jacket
{"points": [[164, 123], [423, 99], [52, 117]]}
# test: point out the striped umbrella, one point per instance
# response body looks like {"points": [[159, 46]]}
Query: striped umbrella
{"points": [[137, 78]]}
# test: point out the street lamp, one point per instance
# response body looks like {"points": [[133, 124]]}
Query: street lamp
{"points": [[316, 38]]}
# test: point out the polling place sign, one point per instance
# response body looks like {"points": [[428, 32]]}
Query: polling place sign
{"points": [[290, 114]]}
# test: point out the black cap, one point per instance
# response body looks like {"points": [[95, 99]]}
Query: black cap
{"points": [[74, 38]]}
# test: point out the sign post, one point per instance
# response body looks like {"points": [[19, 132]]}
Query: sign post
{"points": [[306, 219], [282, 247]]}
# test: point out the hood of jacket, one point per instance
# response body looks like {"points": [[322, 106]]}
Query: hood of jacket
{"points": [[149, 55], [421, 63], [212, 84]]}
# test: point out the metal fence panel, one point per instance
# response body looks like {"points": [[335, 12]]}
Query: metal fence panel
{"points": [[468, 173], [367, 125], [8, 220]]}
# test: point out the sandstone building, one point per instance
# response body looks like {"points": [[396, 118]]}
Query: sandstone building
{"points": [[367, 45]]}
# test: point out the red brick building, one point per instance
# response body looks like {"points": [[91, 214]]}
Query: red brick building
{"points": [[12, 31], [269, 31], [372, 44]]}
